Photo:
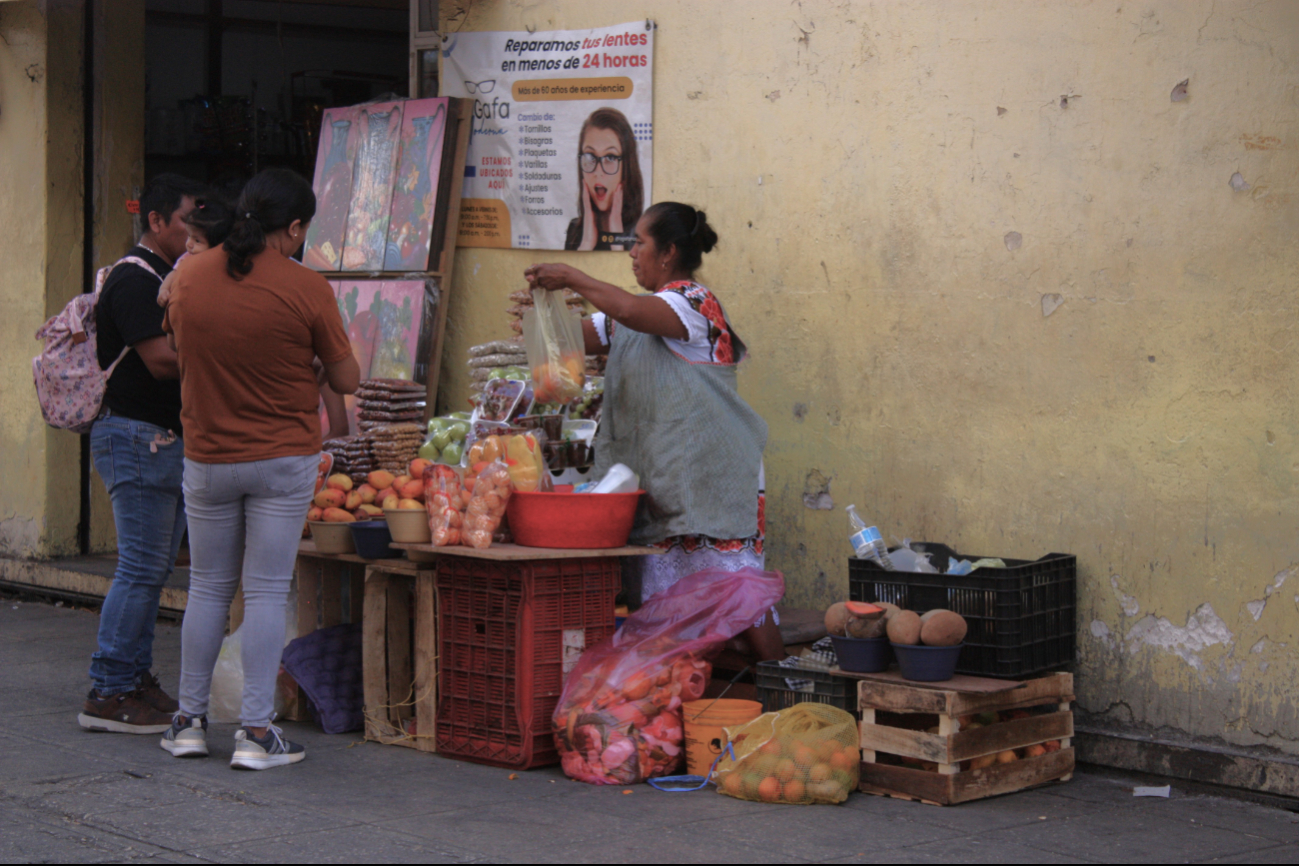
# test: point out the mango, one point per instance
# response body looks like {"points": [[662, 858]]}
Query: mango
{"points": [[330, 497], [399, 482], [353, 500], [337, 515], [339, 482], [391, 501], [379, 479], [315, 512], [381, 495], [367, 493], [411, 490], [409, 505], [417, 465], [370, 511]]}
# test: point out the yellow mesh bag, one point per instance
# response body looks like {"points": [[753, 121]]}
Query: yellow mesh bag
{"points": [[805, 754]]}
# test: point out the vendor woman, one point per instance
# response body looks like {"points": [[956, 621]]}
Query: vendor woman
{"points": [[672, 411]]}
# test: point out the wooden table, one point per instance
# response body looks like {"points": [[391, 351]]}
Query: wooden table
{"points": [[519, 553]]}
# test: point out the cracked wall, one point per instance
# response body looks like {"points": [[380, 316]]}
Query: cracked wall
{"points": [[1001, 286]]}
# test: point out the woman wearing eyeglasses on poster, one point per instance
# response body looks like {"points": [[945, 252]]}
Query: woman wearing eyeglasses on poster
{"points": [[612, 194]]}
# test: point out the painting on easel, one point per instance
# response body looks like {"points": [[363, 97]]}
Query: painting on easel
{"points": [[414, 197]]}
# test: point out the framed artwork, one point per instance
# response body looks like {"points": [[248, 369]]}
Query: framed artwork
{"points": [[372, 184], [335, 160], [414, 197]]}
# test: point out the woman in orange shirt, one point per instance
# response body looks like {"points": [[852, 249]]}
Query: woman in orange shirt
{"points": [[248, 323]]}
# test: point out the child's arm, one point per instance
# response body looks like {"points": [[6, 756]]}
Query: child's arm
{"points": [[336, 409], [164, 291]]}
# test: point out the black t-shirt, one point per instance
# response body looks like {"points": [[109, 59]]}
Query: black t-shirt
{"points": [[128, 313]]}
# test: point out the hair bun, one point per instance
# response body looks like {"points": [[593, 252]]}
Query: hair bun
{"points": [[703, 232]]}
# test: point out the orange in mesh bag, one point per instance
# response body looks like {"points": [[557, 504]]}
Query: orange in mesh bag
{"points": [[805, 754]]}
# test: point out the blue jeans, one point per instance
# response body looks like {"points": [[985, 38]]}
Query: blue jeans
{"points": [[245, 520], [141, 465]]}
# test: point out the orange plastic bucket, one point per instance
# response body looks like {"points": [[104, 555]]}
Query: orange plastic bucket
{"points": [[705, 722]]}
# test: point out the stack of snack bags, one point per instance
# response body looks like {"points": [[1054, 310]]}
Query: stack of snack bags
{"points": [[395, 445], [388, 401]]}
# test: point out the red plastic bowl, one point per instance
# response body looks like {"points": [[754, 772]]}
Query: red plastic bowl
{"points": [[575, 521]]}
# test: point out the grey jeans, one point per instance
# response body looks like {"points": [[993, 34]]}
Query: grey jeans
{"points": [[244, 518]]}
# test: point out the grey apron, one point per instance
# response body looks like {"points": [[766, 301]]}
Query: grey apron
{"points": [[683, 428]]}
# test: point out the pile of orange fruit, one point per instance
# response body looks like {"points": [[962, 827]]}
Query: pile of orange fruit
{"points": [[795, 772]]}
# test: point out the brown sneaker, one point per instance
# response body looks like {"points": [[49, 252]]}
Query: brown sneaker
{"points": [[150, 691], [127, 713]]}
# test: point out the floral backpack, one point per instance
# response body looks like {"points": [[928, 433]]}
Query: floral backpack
{"points": [[69, 383]]}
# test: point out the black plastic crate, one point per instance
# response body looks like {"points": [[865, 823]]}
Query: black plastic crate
{"points": [[827, 688], [1021, 617]]}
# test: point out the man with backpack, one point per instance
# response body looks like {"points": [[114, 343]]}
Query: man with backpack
{"points": [[137, 449]]}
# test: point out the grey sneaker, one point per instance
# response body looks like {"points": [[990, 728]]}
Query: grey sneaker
{"points": [[187, 737], [270, 751]]}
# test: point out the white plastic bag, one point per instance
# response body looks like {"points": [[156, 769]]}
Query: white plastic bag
{"points": [[227, 695]]}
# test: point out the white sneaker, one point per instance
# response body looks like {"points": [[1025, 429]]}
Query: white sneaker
{"points": [[270, 751], [187, 737]]}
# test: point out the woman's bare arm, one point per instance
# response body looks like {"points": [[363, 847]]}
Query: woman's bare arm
{"points": [[645, 313]]}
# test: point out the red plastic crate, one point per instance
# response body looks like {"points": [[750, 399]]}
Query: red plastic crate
{"points": [[501, 666]]}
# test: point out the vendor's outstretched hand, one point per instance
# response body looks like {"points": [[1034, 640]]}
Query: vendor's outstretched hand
{"points": [[551, 277]]}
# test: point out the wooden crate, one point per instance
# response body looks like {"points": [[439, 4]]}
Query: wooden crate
{"points": [[399, 654], [895, 717]]}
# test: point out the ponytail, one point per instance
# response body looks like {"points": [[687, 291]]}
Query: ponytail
{"points": [[271, 201]]}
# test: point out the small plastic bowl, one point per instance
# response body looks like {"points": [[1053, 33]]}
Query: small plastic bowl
{"points": [[408, 526], [372, 539], [332, 538], [927, 664], [862, 655]]}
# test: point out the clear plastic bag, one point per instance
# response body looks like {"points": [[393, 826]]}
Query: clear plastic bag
{"points": [[805, 754], [445, 499], [489, 496], [552, 334], [619, 716]]}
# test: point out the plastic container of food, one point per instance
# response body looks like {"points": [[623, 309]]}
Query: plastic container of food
{"points": [[408, 526], [927, 664], [372, 539], [332, 538], [575, 521], [862, 655]]}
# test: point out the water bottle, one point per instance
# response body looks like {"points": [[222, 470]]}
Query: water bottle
{"points": [[867, 541]]}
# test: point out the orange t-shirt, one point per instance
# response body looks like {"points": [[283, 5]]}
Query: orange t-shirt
{"points": [[245, 348]]}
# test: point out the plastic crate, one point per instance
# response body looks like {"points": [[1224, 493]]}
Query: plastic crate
{"points": [[1021, 617], [827, 688], [508, 633]]}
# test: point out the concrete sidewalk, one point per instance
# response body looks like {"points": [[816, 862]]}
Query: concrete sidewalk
{"points": [[70, 796]]}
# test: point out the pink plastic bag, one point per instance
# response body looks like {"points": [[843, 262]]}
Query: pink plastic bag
{"points": [[619, 717]]}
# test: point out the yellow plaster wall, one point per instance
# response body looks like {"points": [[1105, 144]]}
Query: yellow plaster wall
{"points": [[36, 200], [864, 164], [41, 219]]}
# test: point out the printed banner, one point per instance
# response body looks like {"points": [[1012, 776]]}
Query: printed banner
{"points": [[560, 152]]}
